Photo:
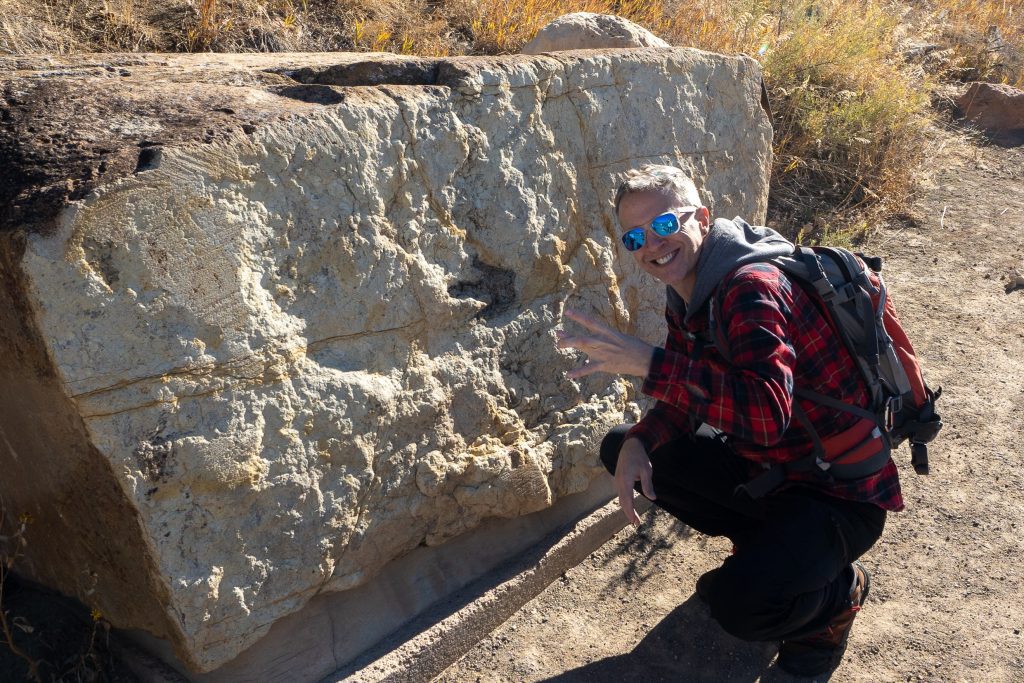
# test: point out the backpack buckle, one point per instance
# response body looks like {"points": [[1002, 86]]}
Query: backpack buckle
{"points": [[893, 406], [824, 288]]}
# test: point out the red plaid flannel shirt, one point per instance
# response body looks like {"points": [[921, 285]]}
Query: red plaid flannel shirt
{"points": [[776, 336]]}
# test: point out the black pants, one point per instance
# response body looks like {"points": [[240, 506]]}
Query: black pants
{"points": [[790, 574]]}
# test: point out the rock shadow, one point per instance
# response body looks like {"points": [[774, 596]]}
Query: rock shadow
{"points": [[687, 645]]}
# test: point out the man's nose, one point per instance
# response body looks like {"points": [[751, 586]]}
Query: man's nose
{"points": [[652, 239]]}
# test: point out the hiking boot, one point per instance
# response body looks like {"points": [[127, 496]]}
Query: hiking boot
{"points": [[822, 651]]}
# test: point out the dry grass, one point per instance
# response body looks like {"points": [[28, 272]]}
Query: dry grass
{"points": [[848, 128], [11, 548], [848, 110], [51, 644], [985, 38]]}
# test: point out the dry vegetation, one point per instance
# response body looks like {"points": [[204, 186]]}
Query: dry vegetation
{"points": [[850, 81], [10, 548], [45, 636], [978, 39]]}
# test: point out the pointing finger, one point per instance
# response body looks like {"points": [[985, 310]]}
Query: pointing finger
{"points": [[626, 503]]}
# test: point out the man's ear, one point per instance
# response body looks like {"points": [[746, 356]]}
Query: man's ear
{"points": [[704, 218]]}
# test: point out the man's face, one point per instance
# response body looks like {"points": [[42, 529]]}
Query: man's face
{"points": [[672, 258]]}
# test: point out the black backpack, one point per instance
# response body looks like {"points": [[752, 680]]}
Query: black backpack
{"points": [[852, 296]]}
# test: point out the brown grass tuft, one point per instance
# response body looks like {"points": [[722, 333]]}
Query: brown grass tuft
{"points": [[985, 38]]}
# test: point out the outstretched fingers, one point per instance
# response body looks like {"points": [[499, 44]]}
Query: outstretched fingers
{"points": [[595, 325], [608, 350], [582, 371], [585, 342]]}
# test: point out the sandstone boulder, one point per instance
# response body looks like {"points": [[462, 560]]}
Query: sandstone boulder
{"points": [[271, 321], [996, 108], [588, 31]]}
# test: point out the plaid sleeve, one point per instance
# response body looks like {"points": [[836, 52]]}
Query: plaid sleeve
{"points": [[664, 422], [750, 398], [661, 424]]}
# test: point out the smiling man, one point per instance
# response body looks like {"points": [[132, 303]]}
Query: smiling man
{"points": [[721, 420]]}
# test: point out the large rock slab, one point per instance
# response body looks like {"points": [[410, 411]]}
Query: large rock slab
{"points": [[272, 321]]}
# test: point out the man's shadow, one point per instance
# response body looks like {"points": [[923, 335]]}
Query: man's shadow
{"points": [[687, 645]]}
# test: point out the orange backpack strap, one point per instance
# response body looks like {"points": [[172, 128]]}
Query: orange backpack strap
{"points": [[851, 454]]}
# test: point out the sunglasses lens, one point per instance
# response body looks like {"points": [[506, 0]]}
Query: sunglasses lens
{"points": [[633, 239], [665, 224]]}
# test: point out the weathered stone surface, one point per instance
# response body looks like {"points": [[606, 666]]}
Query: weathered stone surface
{"points": [[587, 31], [995, 108], [268, 329]]}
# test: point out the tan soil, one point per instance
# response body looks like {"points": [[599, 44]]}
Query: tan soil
{"points": [[947, 598]]}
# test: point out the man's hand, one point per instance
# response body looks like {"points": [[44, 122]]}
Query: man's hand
{"points": [[633, 465], [609, 350]]}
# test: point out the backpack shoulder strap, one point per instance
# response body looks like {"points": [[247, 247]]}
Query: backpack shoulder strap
{"points": [[838, 267], [840, 279]]}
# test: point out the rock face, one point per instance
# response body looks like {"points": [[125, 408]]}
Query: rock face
{"points": [[995, 108], [586, 31], [272, 321]]}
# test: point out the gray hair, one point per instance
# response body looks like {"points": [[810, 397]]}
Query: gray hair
{"points": [[658, 178]]}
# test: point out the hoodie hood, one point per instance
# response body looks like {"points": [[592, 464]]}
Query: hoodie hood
{"points": [[727, 246]]}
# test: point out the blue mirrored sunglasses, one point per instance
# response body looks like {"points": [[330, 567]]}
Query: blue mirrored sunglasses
{"points": [[666, 224]]}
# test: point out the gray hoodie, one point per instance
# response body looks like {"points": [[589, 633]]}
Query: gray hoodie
{"points": [[727, 246]]}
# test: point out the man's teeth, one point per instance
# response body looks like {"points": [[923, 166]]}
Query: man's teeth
{"points": [[665, 259]]}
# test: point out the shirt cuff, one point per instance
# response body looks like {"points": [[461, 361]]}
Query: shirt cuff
{"points": [[671, 379], [643, 434]]}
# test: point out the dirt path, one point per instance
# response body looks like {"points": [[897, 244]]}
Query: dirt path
{"points": [[947, 598]]}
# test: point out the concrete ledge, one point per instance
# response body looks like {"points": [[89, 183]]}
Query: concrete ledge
{"points": [[421, 613], [425, 655]]}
